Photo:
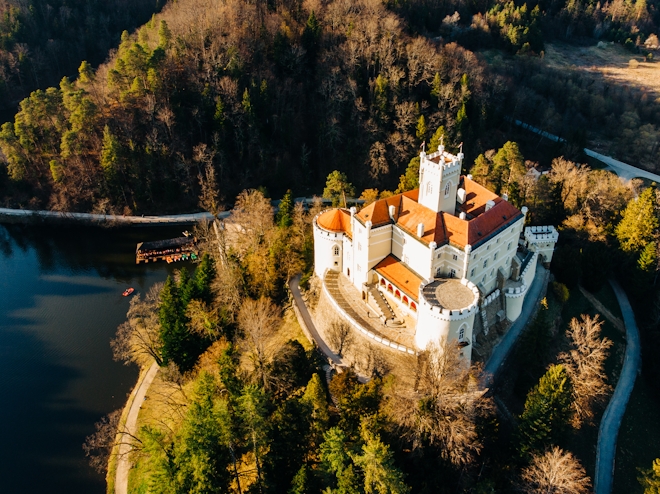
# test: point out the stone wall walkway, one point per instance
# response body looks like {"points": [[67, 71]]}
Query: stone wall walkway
{"points": [[611, 421], [359, 317]]}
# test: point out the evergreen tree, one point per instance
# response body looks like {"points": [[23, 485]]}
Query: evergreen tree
{"points": [[410, 181], [437, 139], [547, 411], [284, 217], [648, 259], [650, 479], [376, 463], [204, 276], [421, 128], [639, 223], [164, 35], [337, 187]]}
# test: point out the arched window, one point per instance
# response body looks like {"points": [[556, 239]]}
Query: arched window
{"points": [[447, 188], [335, 250], [461, 333], [389, 289], [397, 294], [405, 300], [382, 281], [413, 306], [429, 188]]}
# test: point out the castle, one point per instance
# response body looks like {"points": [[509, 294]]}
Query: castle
{"points": [[440, 253]]}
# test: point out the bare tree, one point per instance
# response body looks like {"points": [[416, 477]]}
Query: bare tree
{"points": [[138, 338], [105, 441], [258, 320], [445, 406], [252, 221], [209, 196], [554, 472], [340, 335], [585, 365]]}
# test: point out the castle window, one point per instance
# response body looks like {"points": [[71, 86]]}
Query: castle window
{"points": [[447, 187], [495, 256], [461, 333], [437, 273], [492, 271], [335, 250], [483, 280], [485, 263], [508, 247], [455, 257], [429, 188], [359, 246], [438, 255], [452, 273], [488, 248], [471, 272]]}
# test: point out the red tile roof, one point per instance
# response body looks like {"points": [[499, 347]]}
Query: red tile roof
{"points": [[400, 276], [443, 227], [335, 220]]}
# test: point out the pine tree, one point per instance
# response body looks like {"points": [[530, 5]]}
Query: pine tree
{"points": [[648, 259], [437, 139], [436, 87], [337, 187], [204, 276], [284, 217], [547, 411], [639, 223], [421, 128], [164, 35], [650, 479], [410, 181], [376, 462]]}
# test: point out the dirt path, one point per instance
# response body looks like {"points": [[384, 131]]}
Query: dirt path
{"points": [[135, 403], [611, 421]]}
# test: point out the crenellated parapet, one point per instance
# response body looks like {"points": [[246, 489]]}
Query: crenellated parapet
{"points": [[439, 298], [542, 240]]}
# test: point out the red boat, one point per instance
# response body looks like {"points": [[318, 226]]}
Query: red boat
{"points": [[128, 291]]}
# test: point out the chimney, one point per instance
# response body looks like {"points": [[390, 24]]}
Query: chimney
{"points": [[460, 196], [462, 215], [420, 230], [392, 211], [489, 205]]}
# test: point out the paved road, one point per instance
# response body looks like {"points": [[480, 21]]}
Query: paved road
{"points": [[307, 319], [503, 348], [174, 219], [138, 394], [611, 421], [623, 170]]}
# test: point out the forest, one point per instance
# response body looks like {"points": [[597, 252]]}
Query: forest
{"points": [[280, 93], [244, 404]]}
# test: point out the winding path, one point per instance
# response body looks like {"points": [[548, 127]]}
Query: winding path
{"points": [[307, 324], [503, 348], [134, 403], [611, 421]]}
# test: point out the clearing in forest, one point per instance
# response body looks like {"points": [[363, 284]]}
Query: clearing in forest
{"points": [[612, 61]]}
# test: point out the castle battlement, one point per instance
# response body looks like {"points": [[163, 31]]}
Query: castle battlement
{"points": [[541, 234]]}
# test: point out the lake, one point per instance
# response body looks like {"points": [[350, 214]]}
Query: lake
{"points": [[60, 304]]}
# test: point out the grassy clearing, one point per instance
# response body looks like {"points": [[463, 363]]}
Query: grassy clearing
{"points": [[612, 62]]}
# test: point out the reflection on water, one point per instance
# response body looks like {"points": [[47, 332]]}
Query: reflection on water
{"points": [[60, 303]]}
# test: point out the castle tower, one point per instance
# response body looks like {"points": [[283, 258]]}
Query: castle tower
{"points": [[439, 174]]}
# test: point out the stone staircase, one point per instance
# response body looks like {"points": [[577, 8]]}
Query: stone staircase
{"points": [[383, 306]]}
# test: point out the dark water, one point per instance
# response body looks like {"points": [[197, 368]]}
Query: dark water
{"points": [[60, 303]]}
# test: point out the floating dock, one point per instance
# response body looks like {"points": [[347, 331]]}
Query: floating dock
{"points": [[170, 250]]}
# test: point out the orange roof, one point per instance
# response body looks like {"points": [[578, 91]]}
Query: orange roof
{"points": [[443, 227], [335, 220], [399, 275]]}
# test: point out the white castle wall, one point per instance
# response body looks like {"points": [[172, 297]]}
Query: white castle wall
{"points": [[435, 324], [324, 243], [542, 239], [516, 296], [435, 176]]}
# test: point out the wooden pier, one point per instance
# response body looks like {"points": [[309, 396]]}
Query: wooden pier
{"points": [[170, 250]]}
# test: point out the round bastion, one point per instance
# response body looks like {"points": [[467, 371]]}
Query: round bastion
{"points": [[446, 311]]}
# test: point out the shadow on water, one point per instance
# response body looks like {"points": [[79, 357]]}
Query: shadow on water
{"points": [[60, 303]]}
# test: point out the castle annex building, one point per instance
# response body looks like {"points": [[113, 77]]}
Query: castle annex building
{"points": [[440, 254]]}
